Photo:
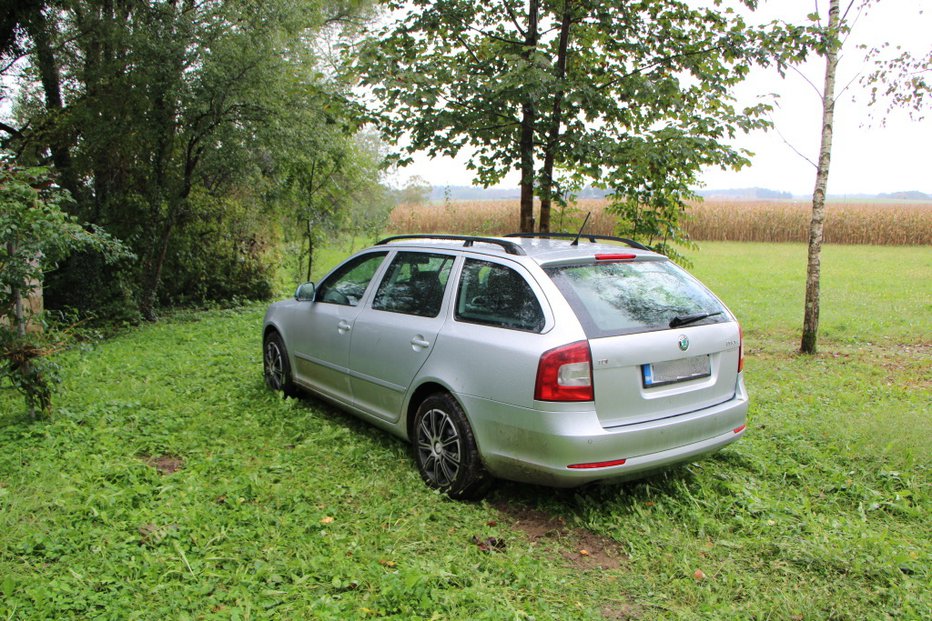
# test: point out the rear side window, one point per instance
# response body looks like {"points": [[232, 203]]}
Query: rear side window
{"points": [[612, 298], [414, 284], [497, 295]]}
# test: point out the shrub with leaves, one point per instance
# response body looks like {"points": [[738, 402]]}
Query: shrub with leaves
{"points": [[35, 234]]}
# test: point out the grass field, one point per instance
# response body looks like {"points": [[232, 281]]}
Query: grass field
{"points": [[897, 223], [170, 484]]}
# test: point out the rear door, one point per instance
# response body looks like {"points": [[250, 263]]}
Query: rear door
{"points": [[662, 345], [395, 334]]}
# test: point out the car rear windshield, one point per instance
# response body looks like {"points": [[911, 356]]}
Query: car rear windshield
{"points": [[612, 298]]}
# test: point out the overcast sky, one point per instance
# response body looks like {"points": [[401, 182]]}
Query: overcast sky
{"points": [[866, 157]]}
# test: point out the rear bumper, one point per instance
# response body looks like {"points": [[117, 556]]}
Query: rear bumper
{"points": [[535, 446]]}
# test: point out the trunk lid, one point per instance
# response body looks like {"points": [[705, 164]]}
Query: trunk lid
{"points": [[652, 375]]}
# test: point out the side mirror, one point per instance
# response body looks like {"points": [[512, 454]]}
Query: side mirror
{"points": [[305, 292]]}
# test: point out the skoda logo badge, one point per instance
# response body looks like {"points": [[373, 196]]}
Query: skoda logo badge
{"points": [[684, 342]]}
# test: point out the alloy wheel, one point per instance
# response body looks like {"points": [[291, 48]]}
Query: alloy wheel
{"points": [[439, 448], [274, 366]]}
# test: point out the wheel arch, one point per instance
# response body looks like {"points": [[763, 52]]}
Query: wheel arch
{"points": [[420, 393], [269, 329]]}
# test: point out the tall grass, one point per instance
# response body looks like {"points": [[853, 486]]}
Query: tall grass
{"points": [[494, 217], [883, 224], [889, 224]]}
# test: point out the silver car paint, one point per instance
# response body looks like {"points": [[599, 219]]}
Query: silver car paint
{"points": [[387, 352], [491, 371], [617, 377]]}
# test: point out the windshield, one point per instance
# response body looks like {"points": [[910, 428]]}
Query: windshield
{"points": [[612, 298]]}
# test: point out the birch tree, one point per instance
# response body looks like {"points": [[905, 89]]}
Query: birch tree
{"points": [[897, 82], [829, 48]]}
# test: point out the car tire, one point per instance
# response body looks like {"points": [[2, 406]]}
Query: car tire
{"points": [[445, 449], [276, 367]]}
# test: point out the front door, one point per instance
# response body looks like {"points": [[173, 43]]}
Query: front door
{"points": [[322, 341]]}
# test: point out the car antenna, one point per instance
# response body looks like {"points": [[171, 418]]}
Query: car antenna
{"points": [[576, 240]]}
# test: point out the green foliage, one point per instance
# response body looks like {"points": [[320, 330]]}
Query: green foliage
{"points": [[331, 184], [228, 254], [636, 97], [28, 368], [659, 223], [899, 79], [173, 484], [174, 126], [35, 234]]}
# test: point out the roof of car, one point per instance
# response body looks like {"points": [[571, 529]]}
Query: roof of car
{"points": [[541, 249]]}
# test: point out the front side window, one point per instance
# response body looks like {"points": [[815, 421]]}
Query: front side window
{"points": [[612, 298], [497, 295], [347, 285], [414, 284]]}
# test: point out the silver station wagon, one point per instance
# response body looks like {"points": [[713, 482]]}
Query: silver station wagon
{"points": [[551, 359]]}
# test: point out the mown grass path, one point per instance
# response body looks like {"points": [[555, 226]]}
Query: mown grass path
{"points": [[171, 484]]}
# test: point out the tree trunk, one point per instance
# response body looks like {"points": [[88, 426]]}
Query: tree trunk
{"points": [[556, 119], [528, 120], [19, 327], [310, 250], [811, 318], [153, 277], [38, 29], [527, 169], [19, 315]]}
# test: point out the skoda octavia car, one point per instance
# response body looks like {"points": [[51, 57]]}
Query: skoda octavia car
{"points": [[535, 358]]}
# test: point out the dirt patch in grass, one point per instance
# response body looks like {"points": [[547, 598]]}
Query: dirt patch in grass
{"points": [[906, 364], [152, 535], [165, 464], [535, 523], [621, 612], [581, 548]]}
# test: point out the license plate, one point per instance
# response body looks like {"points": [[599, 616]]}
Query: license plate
{"points": [[673, 371]]}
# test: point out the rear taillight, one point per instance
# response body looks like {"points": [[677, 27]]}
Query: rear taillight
{"points": [[740, 349], [565, 374]]}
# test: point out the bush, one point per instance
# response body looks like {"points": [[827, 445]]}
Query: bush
{"points": [[35, 234]]}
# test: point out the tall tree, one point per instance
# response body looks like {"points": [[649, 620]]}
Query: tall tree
{"points": [[567, 91], [829, 47], [156, 113]]}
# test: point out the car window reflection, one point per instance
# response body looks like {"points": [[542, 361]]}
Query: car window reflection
{"points": [[497, 295], [347, 285], [414, 284]]}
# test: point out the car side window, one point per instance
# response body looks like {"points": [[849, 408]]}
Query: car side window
{"points": [[497, 295], [414, 284], [347, 285]]}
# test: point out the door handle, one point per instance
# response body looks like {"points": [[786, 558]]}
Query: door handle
{"points": [[343, 327], [419, 341]]}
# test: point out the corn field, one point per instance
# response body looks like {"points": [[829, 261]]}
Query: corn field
{"points": [[875, 223]]}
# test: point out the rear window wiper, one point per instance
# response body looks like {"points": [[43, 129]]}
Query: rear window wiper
{"points": [[686, 319]]}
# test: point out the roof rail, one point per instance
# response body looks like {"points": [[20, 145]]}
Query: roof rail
{"points": [[591, 238], [468, 240]]}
